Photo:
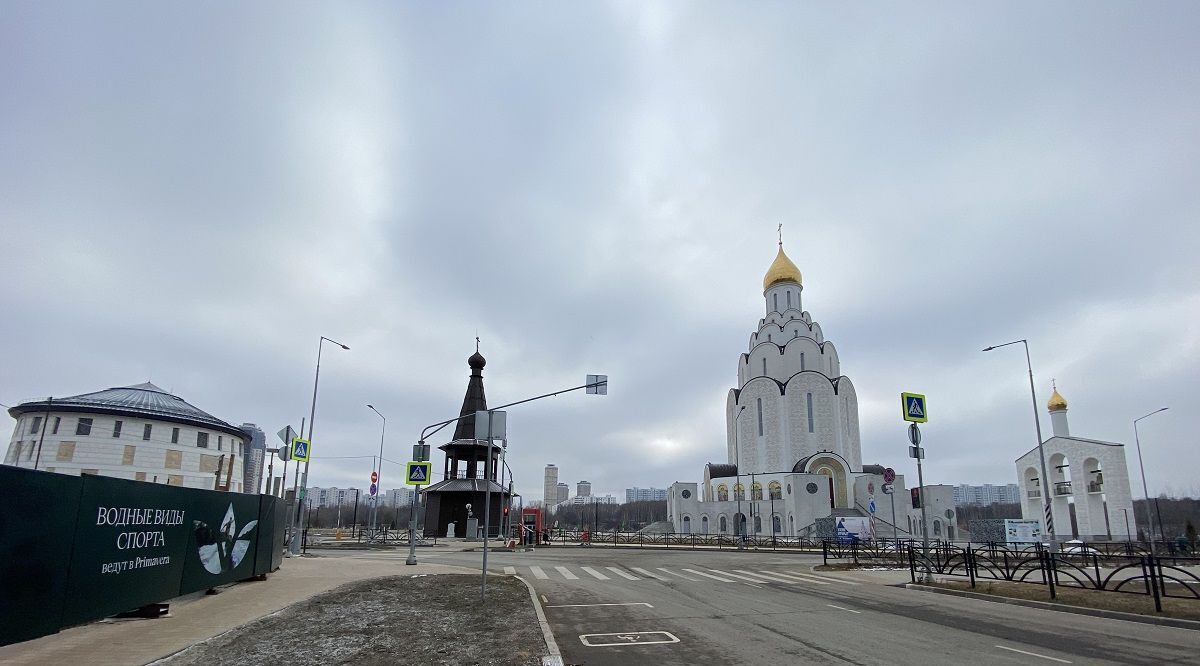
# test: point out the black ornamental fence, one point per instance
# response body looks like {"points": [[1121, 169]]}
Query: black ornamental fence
{"points": [[683, 540], [1159, 576], [79, 548]]}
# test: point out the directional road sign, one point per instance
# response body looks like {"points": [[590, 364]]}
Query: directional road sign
{"points": [[301, 449], [913, 407], [417, 473]]}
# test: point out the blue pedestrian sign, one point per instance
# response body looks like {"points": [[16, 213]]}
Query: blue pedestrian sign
{"points": [[417, 473], [301, 449], [871, 506], [912, 406]]}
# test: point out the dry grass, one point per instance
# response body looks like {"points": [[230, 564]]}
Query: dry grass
{"points": [[1187, 609]]}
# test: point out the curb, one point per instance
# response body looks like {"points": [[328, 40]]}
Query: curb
{"points": [[554, 658], [1062, 608]]}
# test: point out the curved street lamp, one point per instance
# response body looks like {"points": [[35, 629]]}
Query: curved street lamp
{"points": [[379, 474], [1145, 488]]}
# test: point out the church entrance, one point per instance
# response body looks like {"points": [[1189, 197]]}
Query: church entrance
{"points": [[832, 467]]}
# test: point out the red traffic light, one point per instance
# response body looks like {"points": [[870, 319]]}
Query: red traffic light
{"points": [[916, 497]]}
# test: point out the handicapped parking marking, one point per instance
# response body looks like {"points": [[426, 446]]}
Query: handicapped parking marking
{"points": [[629, 638]]}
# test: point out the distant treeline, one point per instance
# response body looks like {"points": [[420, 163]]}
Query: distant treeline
{"points": [[1180, 515]]}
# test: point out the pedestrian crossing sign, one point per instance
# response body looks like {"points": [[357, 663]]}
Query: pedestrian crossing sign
{"points": [[913, 407], [300, 449], [417, 473]]}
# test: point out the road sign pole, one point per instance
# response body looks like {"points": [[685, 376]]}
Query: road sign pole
{"points": [[412, 516], [487, 508], [927, 576]]}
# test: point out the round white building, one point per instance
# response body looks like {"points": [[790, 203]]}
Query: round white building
{"points": [[136, 432]]}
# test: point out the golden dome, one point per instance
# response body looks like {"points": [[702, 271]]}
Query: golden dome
{"points": [[1057, 402], [781, 270]]}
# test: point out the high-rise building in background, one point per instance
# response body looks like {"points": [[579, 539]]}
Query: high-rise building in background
{"points": [[398, 497], [987, 494], [583, 489], [563, 491], [645, 494], [550, 486], [255, 461]]}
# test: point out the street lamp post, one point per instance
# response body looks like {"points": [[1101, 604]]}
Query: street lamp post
{"points": [[1145, 488], [379, 473], [1047, 508], [737, 472], [312, 416]]}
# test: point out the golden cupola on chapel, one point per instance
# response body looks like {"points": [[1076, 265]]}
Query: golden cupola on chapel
{"points": [[1056, 402], [781, 270]]}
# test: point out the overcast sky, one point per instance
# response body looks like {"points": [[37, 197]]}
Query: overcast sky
{"points": [[192, 194]]}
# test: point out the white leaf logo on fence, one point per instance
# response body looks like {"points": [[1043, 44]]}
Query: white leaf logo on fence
{"points": [[224, 548]]}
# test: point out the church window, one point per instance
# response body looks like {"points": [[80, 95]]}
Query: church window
{"points": [[775, 297], [775, 524], [687, 524], [789, 300], [764, 370], [704, 524], [810, 413], [758, 524], [739, 492], [776, 490], [769, 338], [722, 496], [760, 422], [724, 525], [801, 358], [937, 528], [756, 491]]}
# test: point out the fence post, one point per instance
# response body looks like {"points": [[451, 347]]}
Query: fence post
{"points": [[825, 552], [1051, 576], [912, 565], [971, 565], [1155, 579]]}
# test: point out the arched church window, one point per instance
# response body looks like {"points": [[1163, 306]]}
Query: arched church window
{"points": [[937, 528], [722, 495], [760, 421], [789, 300], [769, 338], [758, 524], [801, 357], [724, 526], [704, 524], [756, 491], [776, 490], [775, 298], [687, 524], [764, 367], [776, 524], [739, 492], [810, 413]]}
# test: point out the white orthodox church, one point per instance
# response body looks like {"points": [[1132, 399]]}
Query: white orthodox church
{"points": [[793, 440]]}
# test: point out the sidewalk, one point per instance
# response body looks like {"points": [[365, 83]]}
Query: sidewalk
{"points": [[198, 617]]}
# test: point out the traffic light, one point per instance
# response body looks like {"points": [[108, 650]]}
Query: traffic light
{"points": [[506, 511], [916, 498]]}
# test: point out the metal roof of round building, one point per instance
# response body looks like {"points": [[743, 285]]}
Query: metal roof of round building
{"points": [[140, 400]]}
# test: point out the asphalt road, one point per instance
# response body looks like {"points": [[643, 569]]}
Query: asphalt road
{"points": [[617, 607]]}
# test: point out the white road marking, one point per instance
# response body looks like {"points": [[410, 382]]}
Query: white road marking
{"points": [[628, 638], [622, 573], [566, 573], [769, 576], [694, 580], [701, 573], [796, 578], [632, 603], [833, 580], [510, 570], [538, 573], [738, 575], [832, 606], [762, 578], [649, 574], [544, 599], [596, 574], [1034, 654]]}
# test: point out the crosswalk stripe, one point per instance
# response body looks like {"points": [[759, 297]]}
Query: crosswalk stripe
{"points": [[649, 574], [833, 580], [770, 576], [622, 573], [738, 576], [795, 578], [596, 574], [761, 578], [566, 573], [510, 570], [538, 573], [701, 573], [694, 580]]}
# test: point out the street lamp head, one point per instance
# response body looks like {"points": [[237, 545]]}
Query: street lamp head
{"points": [[988, 348], [346, 347], [370, 405]]}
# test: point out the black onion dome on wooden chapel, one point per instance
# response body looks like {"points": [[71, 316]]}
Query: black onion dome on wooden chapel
{"points": [[475, 400]]}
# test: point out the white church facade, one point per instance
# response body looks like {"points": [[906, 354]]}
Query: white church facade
{"points": [[793, 446], [1089, 490]]}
